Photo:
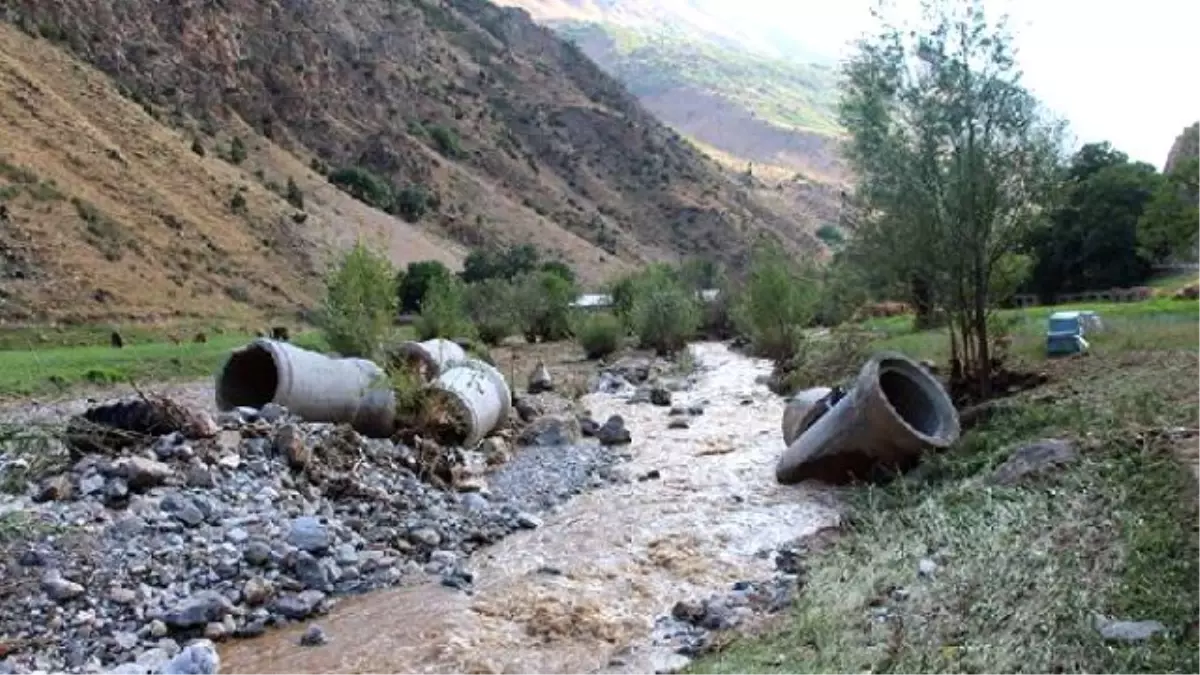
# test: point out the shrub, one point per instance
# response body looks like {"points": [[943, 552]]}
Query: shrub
{"points": [[599, 334], [237, 150], [444, 311], [294, 195], [543, 305], [412, 202], [830, 235], [359, 302], [665, 312], [446, 141], [777, 302], [413, 284], [490, 304], [364, 186], [197, 147]]}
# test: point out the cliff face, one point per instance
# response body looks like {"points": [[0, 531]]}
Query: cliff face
{"points": [[1186, 146], [481, 125]]}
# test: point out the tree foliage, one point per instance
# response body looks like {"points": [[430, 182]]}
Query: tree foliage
{"points": [[1167, 230], [359, 303], [955, 160], [412, 285], [1090, 240]]}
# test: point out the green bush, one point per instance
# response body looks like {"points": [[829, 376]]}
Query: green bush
{"points": [[294, 195], [412, 284], [359, 302], [599, 334], [237, 150], [364, 186], [444, 311], [777, 302], [490, 304], [412, 202], [543, 305], [446, 141], [665, 312]]}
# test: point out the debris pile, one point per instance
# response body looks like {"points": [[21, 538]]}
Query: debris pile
{"points": [[165, 528]]}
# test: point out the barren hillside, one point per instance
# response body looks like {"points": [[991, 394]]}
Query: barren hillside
{"points": [[468, 122]]}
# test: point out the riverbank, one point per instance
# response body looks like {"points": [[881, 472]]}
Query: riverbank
{"points": [[1058, 536]]}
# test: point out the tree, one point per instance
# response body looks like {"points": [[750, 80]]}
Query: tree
{"points": [[507, 264], [1167, 229], [415, 283], [1090, 240], [359, 304], [955, 163]]}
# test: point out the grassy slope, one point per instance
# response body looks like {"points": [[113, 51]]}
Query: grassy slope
{"points": [[1022, 570], [786, 93]]}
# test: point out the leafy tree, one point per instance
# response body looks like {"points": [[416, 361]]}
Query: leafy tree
{"points": [[562, 269], [509, 263], [543, 302], [778, 300], [491, 304], [237, 150], [1167, 229], [664, 311], [444, 310], [1090, 241], [955, 163], [415, 283], [294, 195], [359, 304]]}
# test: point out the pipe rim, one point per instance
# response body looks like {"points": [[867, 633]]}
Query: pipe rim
{"points": [[895, 362], [283, 370]]}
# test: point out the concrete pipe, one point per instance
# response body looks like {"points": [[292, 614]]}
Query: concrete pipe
{"points": [[802, 410], [429, 358], [313, 386], [479, 395], [894, 411]]}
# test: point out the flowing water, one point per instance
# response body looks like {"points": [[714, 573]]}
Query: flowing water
{"points": [[617, 557]]}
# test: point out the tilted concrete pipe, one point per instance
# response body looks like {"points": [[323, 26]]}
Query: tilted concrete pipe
{"points": [[894, 411], [313, 386], [428, 358], [480, 395]]}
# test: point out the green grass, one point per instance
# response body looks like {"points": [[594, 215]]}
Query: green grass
{"points": [[1173, 323], [649, 62], [53, 370], [1022, 569]]}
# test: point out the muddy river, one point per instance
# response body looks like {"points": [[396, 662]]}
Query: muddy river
{"points": [[588, 584]]}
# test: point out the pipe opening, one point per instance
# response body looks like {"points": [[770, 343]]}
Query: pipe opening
{"points": [[910, 398], [249, 378]]}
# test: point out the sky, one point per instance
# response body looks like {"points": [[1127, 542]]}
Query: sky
{"points": [[1117, 71]]}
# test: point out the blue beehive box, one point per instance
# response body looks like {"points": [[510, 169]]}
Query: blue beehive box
{"points": [[1065, 333]]}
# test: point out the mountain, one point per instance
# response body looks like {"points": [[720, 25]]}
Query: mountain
{"points": [[1185, 147], [716, 75], [170, 136]]}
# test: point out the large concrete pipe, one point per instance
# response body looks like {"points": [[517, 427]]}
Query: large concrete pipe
{"points": [[479, 395], [802, 410], [894, 411], [429, 358], [313, 386]]}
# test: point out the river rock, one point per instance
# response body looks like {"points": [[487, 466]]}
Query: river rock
{"points": [[1126, 631], [540, 380], [141, 473], [58, 588], [309, 534], [54, 488], [551, 430], [613, 432], [314, 636], [290, 442], [298, 606], [198, 658], [660, 396], [197, 611]]}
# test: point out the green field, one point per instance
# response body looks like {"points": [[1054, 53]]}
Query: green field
{"points": [[56, 369]]}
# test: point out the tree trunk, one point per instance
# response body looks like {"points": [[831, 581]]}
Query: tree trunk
{"points": [[922, 301], [980, 327]]}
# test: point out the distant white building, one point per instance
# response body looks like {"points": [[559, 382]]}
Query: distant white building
{"points": [[591, 301]]}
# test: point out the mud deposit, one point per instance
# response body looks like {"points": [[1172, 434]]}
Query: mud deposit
{"points": [[590, 588]]}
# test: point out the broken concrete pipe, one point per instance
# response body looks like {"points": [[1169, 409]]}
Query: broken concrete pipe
{"points": [[429, 358], [479, 394], [894, 410], [313, 386], [802, 410]]}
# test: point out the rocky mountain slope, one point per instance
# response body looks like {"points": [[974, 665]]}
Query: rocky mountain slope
{"points": [[746, 92], [468, 123], [1185, 147]]}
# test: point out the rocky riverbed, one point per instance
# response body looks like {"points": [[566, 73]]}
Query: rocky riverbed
{"points": [[140, 559]]}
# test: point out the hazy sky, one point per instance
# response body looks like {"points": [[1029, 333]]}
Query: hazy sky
{"points": [[1118, 70]]}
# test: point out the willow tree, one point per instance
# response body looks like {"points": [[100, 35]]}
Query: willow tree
{"points": [[954, 161]]}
